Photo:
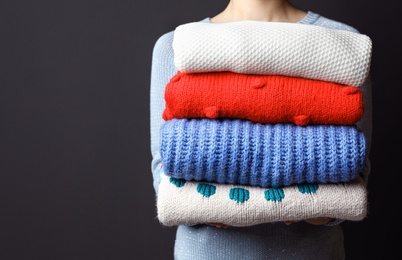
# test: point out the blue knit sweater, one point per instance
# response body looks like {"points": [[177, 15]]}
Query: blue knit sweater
{"points": [[267, 155]]}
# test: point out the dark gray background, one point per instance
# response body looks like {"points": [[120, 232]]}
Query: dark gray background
{"points": [[75, 179]]}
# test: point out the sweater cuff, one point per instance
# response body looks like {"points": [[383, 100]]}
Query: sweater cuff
{"points": [[334, 222]]}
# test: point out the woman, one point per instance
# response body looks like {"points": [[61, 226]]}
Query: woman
{"points": [[320, 238]]}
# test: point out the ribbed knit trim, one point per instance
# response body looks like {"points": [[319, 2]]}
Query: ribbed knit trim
{"points": [[310, 18], [242, 152], [262, 99]]}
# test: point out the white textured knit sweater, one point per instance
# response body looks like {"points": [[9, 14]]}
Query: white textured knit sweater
{"points": [[274, 48], [190, 202]]}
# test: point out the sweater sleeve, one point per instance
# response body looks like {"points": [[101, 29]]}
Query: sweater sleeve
{"points": [[162, 69], [365, 124]]}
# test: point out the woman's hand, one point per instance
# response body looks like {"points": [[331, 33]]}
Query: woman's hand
{"points": [[218, 225], [318, 221], [313, 221]]}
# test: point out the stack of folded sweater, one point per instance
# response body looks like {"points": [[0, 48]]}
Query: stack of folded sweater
{"points": [[261, 124]]}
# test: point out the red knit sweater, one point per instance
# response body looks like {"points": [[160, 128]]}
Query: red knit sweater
{"points": [[262, 99]]}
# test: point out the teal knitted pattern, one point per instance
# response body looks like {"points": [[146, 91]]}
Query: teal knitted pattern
{"points": [[268, 155]]}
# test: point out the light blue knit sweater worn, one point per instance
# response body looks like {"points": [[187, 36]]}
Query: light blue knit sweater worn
{"points": [[267, 241], [267, 155]]}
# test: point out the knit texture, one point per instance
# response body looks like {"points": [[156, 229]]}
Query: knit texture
{"points": [[272, 155], [266, 241], [262, 99], [273, 48], [183, 202]]}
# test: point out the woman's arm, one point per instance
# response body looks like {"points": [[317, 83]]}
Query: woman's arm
{"points": [[162, 70]]}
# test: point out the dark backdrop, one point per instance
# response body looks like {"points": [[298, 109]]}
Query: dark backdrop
{"points": [[75, 179]]}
